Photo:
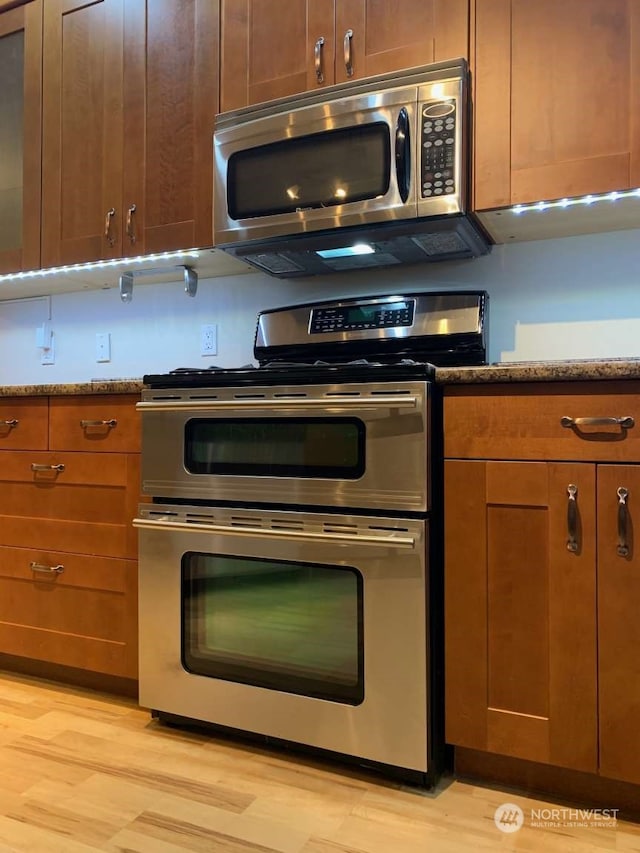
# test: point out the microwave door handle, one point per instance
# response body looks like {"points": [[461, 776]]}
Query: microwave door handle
{"points": [[403, 154]]}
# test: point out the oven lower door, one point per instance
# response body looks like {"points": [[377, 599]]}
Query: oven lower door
{"points": [[304, 627]]}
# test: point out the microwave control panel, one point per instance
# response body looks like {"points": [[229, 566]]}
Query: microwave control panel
{"points": [[345, 318], [438, 146]]}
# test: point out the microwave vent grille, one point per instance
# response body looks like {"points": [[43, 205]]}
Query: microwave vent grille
{"points": [[275, 263], [442, 243]]}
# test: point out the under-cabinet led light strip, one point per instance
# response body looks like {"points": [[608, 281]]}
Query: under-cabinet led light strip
{"points": [[572, 202], [160, 259]]}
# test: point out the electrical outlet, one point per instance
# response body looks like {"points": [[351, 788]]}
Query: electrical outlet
{"points": [[48, 356], [208, 340], [103, 346]]}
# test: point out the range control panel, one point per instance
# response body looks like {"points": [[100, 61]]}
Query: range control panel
{"points": [[438, 146], [374, 315]]}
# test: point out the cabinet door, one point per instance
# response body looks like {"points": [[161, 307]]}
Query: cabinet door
{"points": [[268, 49], [618, 622], [391, 36], [170, 98], [20, 129], [556, 99], [520, 636], [82, 131]]}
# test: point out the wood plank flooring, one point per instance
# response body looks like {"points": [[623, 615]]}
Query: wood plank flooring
{"points": [[83, 771]]}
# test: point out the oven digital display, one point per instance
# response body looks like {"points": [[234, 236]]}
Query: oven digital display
{"points": [[373, 315]]}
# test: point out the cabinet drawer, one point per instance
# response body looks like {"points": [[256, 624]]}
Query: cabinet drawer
{"points": [[24, 423], [102, 422], [85, 507], [525, 422], [84, 616]]}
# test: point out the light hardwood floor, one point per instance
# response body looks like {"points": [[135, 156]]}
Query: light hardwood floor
{"points": [[82, 771]]}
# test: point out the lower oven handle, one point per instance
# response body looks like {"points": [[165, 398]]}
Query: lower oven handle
{"points": [[200, 527], [280, 403]]}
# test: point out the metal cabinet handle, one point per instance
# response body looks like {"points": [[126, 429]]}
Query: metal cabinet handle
{"points": [[317, 59], [572, 518], [49, 570], [131, 231], [107, 226], [112, 422], [625, 422], [348, 57], [36, 467], [11, 423], [623, 522]]}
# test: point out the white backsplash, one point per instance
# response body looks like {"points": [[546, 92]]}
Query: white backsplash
{"points": [[576, 297]]}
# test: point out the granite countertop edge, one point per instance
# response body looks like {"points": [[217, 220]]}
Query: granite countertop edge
{"points": [[101, 386], [541, 371]]}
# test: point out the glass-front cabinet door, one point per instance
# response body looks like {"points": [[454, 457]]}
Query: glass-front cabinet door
{"points": [[20, 136]]}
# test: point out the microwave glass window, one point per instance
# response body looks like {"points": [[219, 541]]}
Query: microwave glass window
{"points": [[294, 627], [276, 447], [319, 170]]}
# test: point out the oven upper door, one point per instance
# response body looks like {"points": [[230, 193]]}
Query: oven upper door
{"points": [[361, 446]]}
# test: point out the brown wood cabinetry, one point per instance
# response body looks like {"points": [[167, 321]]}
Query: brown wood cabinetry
{"points": [[274, 48], [557, 87], [541, 592], [68, 553], [20, 130], [129, 96]]}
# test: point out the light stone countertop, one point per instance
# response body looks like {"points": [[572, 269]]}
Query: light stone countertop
{"points": [[542, 371]]}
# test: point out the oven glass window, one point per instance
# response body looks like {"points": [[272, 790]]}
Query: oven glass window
{"points": [[276, 447], [313, 171], [295, 627]]}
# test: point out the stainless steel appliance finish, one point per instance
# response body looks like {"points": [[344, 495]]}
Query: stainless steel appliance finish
{"points": [[388, 555], [290, 583], [388, 444], [382, 161]]}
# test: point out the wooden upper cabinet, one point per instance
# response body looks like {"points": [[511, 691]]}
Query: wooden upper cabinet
{"points": [[274, 48], [82, 131], [557, 99], [170, 100], [20, 129], [130, 94]]}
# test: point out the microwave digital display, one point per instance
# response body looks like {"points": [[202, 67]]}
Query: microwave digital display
{"points": [[313, 171]]}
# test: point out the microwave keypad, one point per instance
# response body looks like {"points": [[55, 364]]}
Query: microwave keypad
{"points": [[438, 147]]}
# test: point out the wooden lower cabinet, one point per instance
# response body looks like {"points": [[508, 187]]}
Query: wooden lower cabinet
{"points": [[68, 551], [542, 583]]}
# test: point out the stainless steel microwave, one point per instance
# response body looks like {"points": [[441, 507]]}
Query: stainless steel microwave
{"points": [[359, 175]]}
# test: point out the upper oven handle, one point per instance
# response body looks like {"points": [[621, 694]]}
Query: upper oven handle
{"points": [[271, 403], [297, 535]]}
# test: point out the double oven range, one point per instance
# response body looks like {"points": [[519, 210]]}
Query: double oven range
{"points": [[290, 580]]}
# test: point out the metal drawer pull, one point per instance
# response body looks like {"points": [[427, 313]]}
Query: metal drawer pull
{"points": [[626, 422], [110, 423], [269, 533], [572, 519], [317, 59], [49, 570], [623, 522], [36, 467], [11, 424], [312, 403], [346, 48]]}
